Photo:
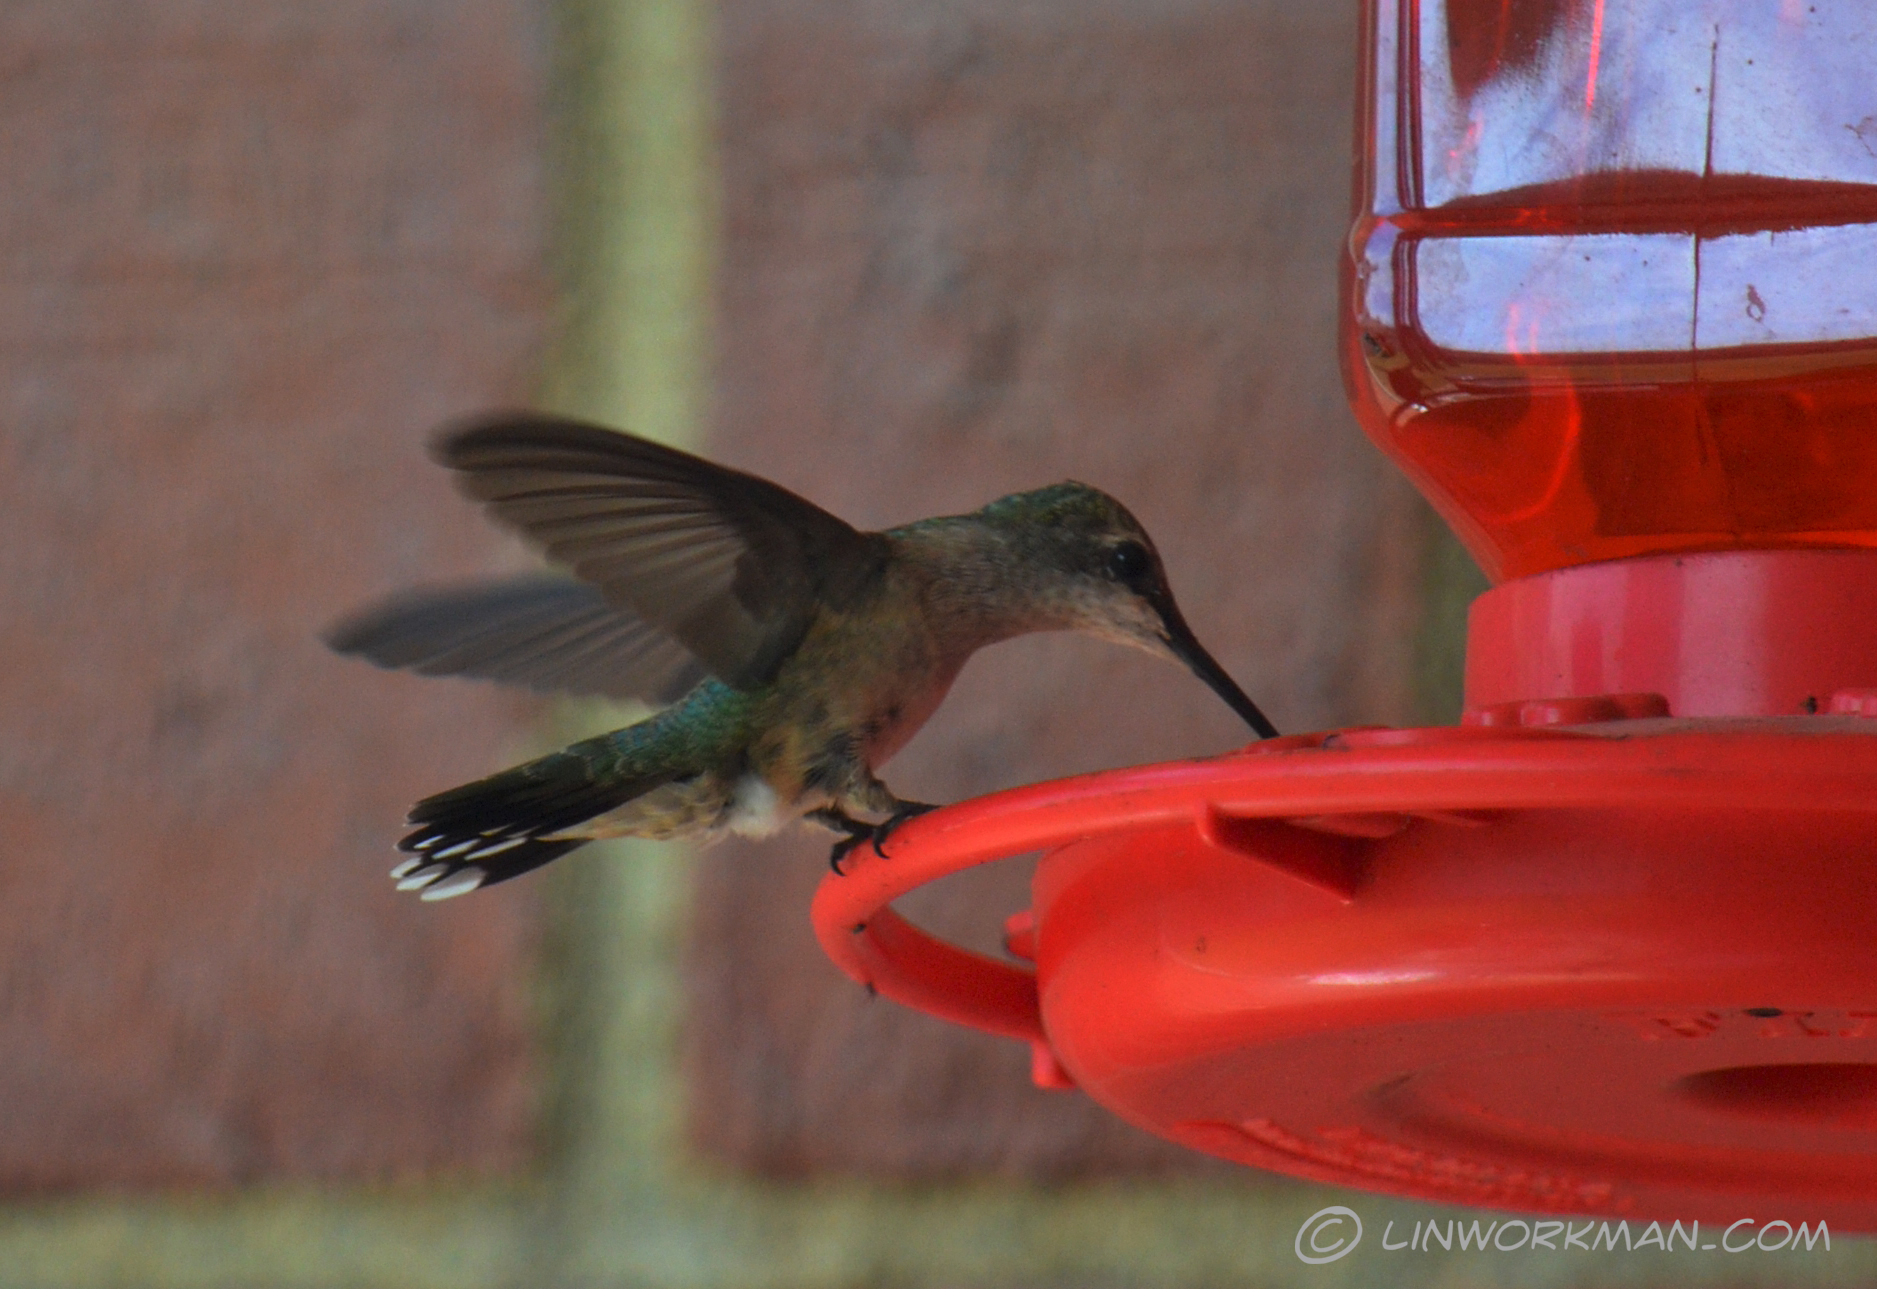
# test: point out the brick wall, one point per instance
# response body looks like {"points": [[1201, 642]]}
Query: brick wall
{"points": [[250, 252]]}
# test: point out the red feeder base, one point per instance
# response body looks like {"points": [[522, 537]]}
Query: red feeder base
{"points": [[1627, 968], [1573, 956]]}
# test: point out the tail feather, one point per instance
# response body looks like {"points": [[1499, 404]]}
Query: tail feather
{"points": [[441, 878], [503, 826]]}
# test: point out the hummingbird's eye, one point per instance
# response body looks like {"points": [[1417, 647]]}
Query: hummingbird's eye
{"points": [[1129, 561]]}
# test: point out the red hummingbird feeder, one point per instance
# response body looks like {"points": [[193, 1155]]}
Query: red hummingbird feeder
{"points": [[1609, 946]]}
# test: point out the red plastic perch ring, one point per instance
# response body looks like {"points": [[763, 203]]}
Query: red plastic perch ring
{"points": [[1624, 968]]}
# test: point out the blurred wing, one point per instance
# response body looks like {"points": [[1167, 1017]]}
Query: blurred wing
{"points": [[732, 565], [549, 634]]}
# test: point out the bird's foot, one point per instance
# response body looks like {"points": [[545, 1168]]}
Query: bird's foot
{"points": [[843, 848], [905, 810], [856, 832]]}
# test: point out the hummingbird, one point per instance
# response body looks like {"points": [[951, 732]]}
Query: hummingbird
{"points": [[788, 653]]}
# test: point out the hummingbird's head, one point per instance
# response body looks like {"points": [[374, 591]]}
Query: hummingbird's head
{"points": [[1086, 564]]}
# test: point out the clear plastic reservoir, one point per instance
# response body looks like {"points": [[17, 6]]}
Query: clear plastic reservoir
{"points": [[1611, 288]]}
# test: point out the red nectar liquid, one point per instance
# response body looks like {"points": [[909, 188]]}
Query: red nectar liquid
{"points": [[1611, 288]]}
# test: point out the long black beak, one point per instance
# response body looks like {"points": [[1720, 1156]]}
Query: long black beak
{"points": [[1187, 649]]}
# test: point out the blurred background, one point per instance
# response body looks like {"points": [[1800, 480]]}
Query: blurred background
{"points": [[902, 256]]}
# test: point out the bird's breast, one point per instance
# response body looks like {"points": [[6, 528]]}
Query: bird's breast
{"points": [[895, 717], [858, 689]]}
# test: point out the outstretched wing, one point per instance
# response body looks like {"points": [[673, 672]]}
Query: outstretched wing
{"points": [[731, 565], [549, 634]]}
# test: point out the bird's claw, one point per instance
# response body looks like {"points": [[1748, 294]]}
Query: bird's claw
{"points": [[845, 847], [874, 834], [887, 827]]}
